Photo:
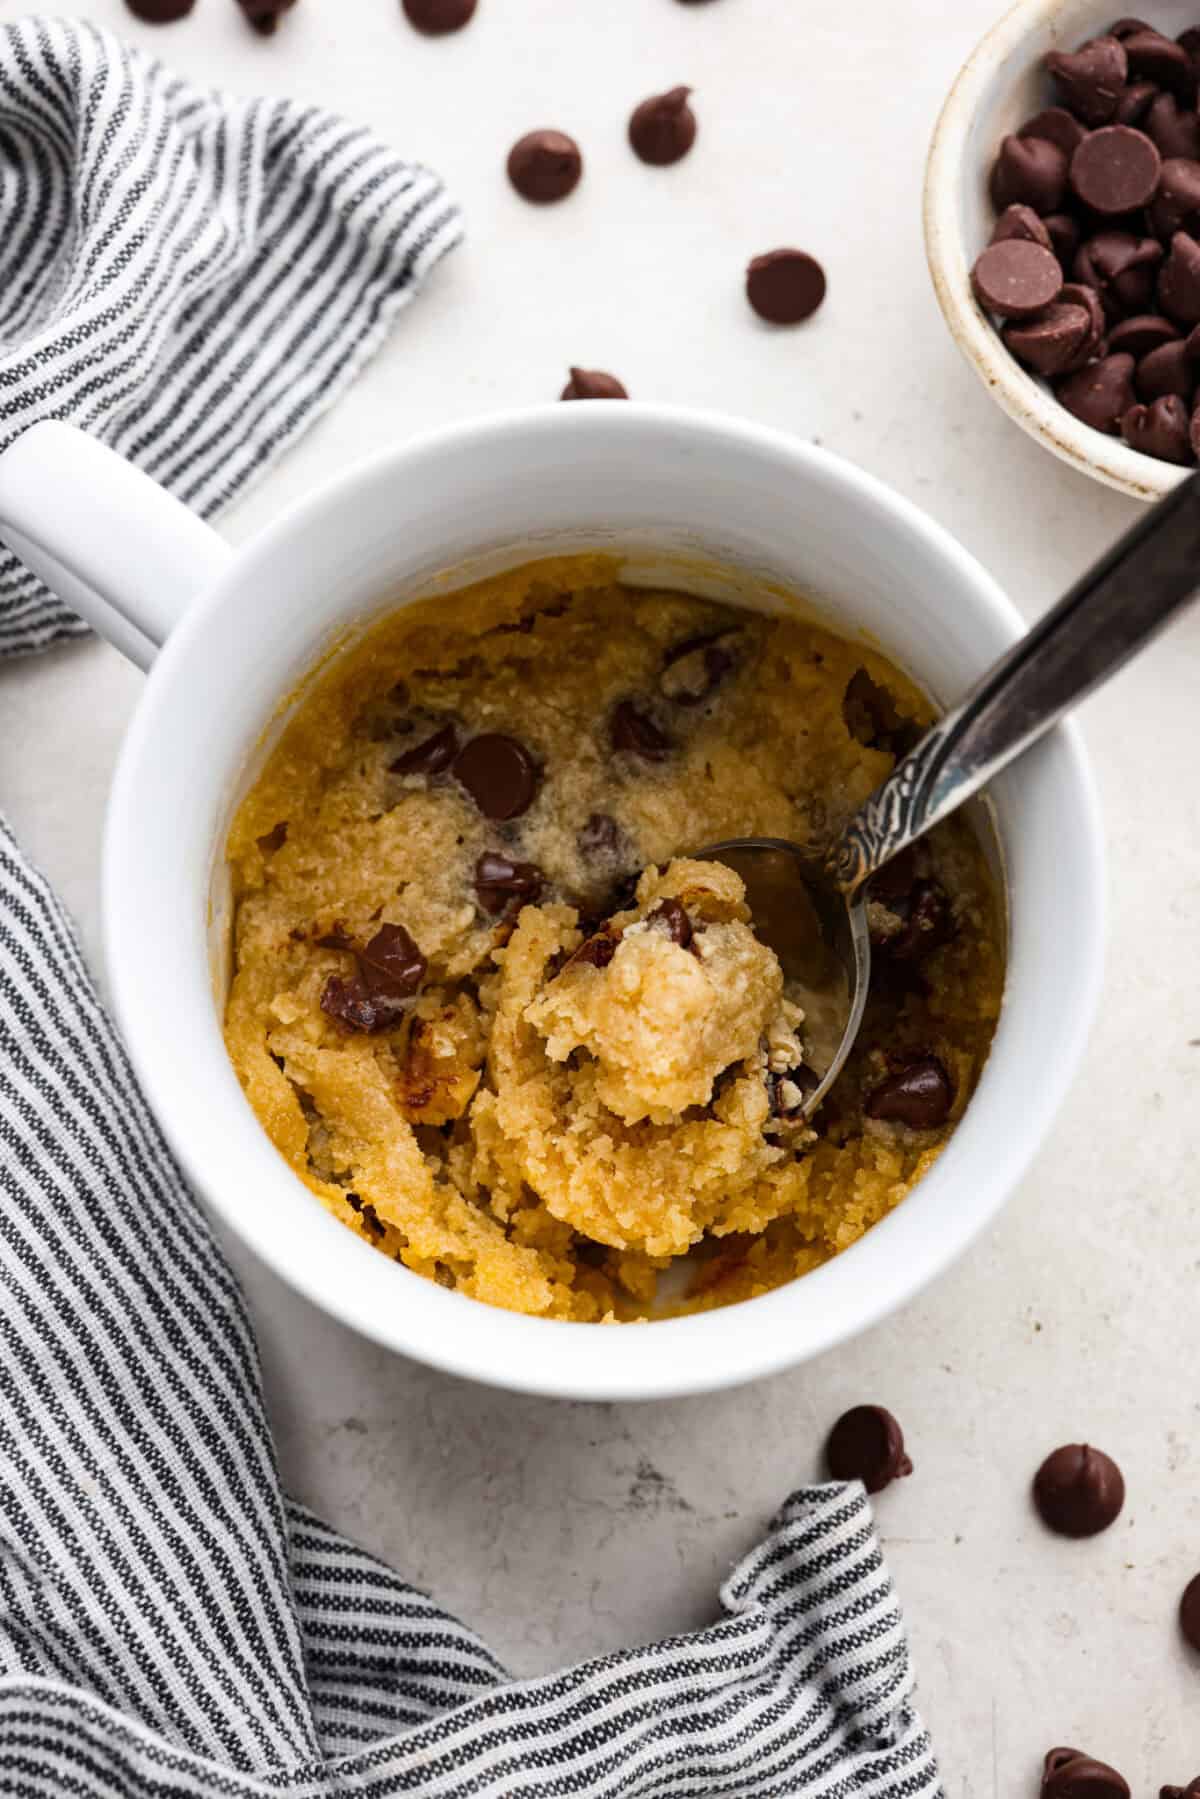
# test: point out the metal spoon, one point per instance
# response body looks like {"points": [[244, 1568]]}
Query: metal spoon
{"points": [[813, 913]]}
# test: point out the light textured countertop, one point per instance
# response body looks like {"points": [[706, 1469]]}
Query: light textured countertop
{"points": [[560, 1530]]}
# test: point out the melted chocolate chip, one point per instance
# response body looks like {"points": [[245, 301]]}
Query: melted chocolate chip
{"points": [[274, 839], [436, 17], [500, 775], [695, 668], [673, 916], [595, 952], [867, 1444], [593, 384], [632, 730], [432, 756], [545, 166], [1078, 1490], [599, 837], [872, 717], [499, 881], [919, 1096], [663, 128], [1070, 1774], [928, 923], [337, 938], [390, 971]]}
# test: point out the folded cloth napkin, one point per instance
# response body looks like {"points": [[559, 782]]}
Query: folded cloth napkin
{"points": [[193, 279]]}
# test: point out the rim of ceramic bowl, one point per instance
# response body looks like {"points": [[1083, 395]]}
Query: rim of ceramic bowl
{"points": [[1025, 399], [190, 1084]]}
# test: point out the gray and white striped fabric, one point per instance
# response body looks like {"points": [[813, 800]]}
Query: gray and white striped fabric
{"points": [[193, 279], [189, 277]]}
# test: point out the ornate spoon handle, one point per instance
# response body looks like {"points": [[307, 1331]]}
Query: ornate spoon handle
{"points": [[1152, 573]]}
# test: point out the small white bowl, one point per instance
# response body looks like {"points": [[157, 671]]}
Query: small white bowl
{"points": [[1001, 84]]}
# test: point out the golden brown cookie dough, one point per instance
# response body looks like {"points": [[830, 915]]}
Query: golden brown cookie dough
{"points": [[490, 1010]]}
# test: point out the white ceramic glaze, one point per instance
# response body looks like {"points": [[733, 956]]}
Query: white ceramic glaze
{"points": [[1002, 83], [659, 488]]}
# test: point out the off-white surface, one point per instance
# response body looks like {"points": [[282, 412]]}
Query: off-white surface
{"points": [[560, 1530]]}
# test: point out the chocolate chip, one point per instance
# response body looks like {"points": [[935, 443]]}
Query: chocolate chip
{"points": [[1115, 170], [545, 166], [1189, 40], [867, 1444], [632, 730], [872, 717], [919, 1096], [1069, 1774], [1029, 171], [663, 128], [1122, 268], [499, 774], [1135, 102], [1190, 1791], [1139, 335], [1160, 429], [1176, 205], [1052, 342], [432, 756], [1016, 278], [499, 881], [1090, 79], [1127, 27], [592, 384], [274, 839], [928, 923], [599, 837], [672, 915], [1150, 56], [894, 881], [1022, 222], [436, 17], [264, 15], [1064, 234], [1166, 370], [1074, 293], [1189, 1613], [390, 971], [595, 952], [694, 669], [337, 938], [1057, 126], [1101, 394], [1173, 128], [1179, 281], [785, 286], [1078, 1490], [160, 12]]}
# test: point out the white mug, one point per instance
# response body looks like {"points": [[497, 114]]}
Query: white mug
{"points": [[226, 634]]}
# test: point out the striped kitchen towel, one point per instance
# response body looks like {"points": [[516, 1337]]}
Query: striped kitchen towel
{"points": [[194, 279], [189, 277]]}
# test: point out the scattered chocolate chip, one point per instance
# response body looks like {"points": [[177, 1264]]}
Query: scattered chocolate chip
{"points": [[596, 952], [545, 166], [1189, 1612], [1135, 102], [1115, 170], [593, 384], [1064, 236], [1149, 56], [1190, 1791], [694, 669], [1173, 128], [1021, 222], [919, 1096], [1029, 171], [1015, 278], [432, 756], [1122, 268], [1069, 1774], [1166, 370], [436, 17], [672, 915], [1051, 343], [1101, 394], [1176, 205], [1078, 1490], [499, 881], [1057, 126], [264, 15], [390, 971], [499, 774], [867, 1444], [1139, 335], [1090, 79], [632, 730], [599, 837], [1160, 429], [160, 12], [785, 286], [1179, 281], [663, 128]]}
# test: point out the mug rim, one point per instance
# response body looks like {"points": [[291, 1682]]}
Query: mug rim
{"points": [[348, 1278]]}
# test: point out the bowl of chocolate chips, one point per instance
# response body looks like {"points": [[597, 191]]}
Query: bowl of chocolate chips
{"points": [[1062, 227]]}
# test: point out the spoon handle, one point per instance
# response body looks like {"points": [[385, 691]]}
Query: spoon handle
{"points": [[1148, 576]]}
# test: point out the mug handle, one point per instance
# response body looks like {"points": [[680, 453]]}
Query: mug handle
{"points": [[109, 541]]}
